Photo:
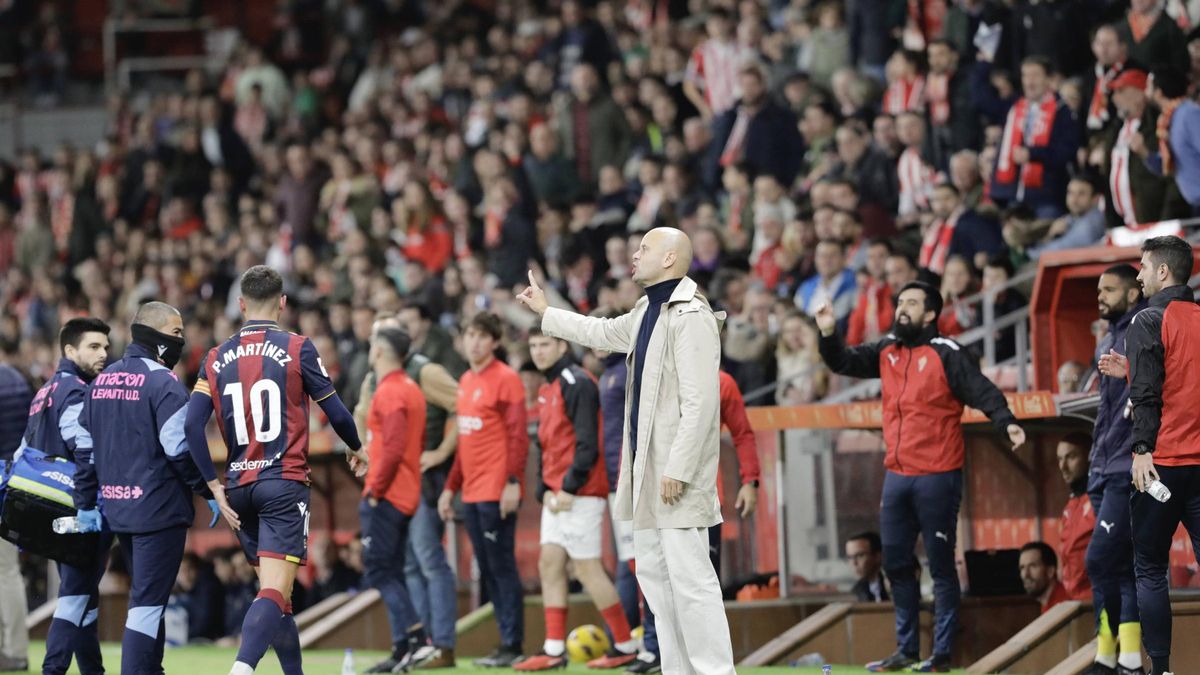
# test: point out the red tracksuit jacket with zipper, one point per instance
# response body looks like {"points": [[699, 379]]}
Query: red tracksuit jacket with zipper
{"points": [[925, 386]]}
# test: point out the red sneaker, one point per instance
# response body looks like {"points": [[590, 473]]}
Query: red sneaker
{"points": [[612, 660], [541, 662]]}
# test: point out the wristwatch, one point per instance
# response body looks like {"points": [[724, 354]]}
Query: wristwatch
{"points": [[513, 480], [1142, 448], [753, 483]]}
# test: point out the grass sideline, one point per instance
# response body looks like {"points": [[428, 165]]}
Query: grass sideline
{"points": [[210, 660]]}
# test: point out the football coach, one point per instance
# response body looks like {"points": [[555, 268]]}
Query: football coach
{"points": [[667, 482], [925, 379]]}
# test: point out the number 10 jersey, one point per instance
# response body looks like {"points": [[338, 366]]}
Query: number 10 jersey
{"points": [[261, 380]]}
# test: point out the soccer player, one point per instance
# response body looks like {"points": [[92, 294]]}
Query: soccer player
{"points": [[260, 381], [574, 491], [138, 463], [489, 468], [431, 583], [54, 428], [926, 380], [396, 429]]}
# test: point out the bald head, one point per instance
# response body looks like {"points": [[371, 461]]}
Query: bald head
{"points": [[664, 253], [157, 315]]}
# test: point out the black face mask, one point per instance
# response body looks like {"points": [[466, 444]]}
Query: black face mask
{"points": [[168, 348]]}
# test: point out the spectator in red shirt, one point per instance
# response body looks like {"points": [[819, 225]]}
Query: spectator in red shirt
{"points": [[1039, 574], [493, 443], [1078, 518]]}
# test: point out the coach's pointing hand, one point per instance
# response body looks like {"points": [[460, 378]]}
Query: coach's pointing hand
{"points": [[534, 297], [672, 490], [1017, 435]]}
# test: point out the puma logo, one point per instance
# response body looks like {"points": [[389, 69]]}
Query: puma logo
{"points": [[493, 536], [1107, 526], [942, 536]]}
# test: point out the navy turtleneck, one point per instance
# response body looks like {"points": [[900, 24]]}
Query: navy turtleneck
{"points": [[658, 294]]}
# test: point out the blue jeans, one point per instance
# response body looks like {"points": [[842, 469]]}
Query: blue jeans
{"points": [[927, 506], [385, 538], [431, 584], [494, 541], [1110, 551]]}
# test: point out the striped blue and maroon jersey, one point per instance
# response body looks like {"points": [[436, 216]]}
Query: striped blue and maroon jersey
{"points": [[261, 380]]}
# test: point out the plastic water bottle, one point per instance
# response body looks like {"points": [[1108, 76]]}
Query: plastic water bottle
{"points": [[1159, 491], [65, 525], [826, 669], [348, 663]]}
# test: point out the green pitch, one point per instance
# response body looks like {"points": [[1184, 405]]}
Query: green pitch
{"points": [[217, 660]]}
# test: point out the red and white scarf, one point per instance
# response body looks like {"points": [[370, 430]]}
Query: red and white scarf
{"points": [[733, 152], [916, 180], [938, 96], [1164, 136], [1098, 108], [904, 96], [1032, 173], [1118, 173], [935, 245]]}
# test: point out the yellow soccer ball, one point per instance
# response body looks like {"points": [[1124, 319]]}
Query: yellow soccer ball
{"points": [[586, 643], [638, 633]]}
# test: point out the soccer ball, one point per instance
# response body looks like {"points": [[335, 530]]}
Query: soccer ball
{"points": [[586, 643], [638, 633]]}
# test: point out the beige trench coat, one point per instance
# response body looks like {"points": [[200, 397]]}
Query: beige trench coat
{"points": [[679, 418]]}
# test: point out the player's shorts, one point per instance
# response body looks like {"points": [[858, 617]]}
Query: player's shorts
{"points": [[622, 531], [274, 514], [578, 530]]}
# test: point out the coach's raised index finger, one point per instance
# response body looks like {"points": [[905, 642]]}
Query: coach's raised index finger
{"points": [[533, 282]]}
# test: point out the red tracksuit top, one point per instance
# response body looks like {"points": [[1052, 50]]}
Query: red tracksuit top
{"points": [[570, 433], [1078, 521], [924, 387]]}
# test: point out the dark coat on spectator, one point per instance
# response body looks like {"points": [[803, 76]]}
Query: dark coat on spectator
{"points": [[1164, 45], [870, 24], [609, 133], [296, 203], [1155, 197], [963, 131], [1056, 157], [1051, 30], [878, 189], [773, 144], [975, 233]]}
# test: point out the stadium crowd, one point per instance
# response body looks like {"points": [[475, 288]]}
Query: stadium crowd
{"points": [[421, 158], [417, 161]]}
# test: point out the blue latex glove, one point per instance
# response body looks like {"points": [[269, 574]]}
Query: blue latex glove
{"points": [[216, 511], [89, 521]]}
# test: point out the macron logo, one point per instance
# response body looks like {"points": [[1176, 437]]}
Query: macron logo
{"points": [[162, 349]]}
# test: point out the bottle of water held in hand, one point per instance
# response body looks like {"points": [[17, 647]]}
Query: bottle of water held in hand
{"points": [[348, 663], [65, 525], [1159, 491]]}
